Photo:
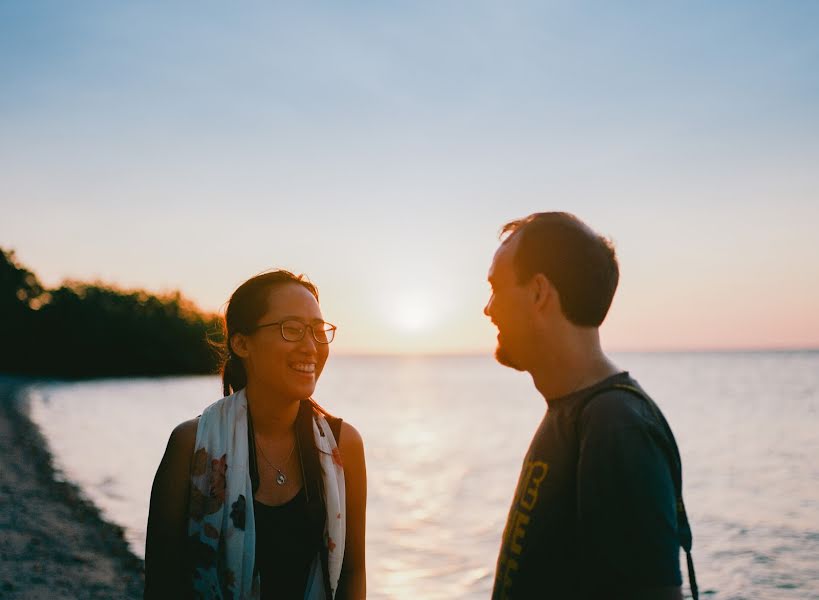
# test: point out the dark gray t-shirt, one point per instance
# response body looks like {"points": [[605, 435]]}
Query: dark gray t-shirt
{"points": [[594, 513]]}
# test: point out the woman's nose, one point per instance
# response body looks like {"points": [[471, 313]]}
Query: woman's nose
{"points": [[308, 341]]}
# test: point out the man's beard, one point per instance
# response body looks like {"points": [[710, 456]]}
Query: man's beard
{"points": [[503, 358]]}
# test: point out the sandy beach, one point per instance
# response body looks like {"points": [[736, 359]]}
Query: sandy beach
{"points": [[53, 542]]}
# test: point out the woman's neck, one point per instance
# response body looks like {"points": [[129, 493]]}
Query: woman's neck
{"points": [[272, 415]]}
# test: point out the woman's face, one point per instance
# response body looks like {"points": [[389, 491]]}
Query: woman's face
{"points": [[288, 369]]}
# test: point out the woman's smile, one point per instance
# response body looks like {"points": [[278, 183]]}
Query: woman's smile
{"points": [[307, 368]]}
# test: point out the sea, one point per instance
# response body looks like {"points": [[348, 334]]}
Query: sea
{"points": [[444, 440]]}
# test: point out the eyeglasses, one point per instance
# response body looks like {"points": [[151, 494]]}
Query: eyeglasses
{"points": [[293, 331]]}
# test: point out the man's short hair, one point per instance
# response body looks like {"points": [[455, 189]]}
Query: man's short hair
{"points": [[580, 264]]}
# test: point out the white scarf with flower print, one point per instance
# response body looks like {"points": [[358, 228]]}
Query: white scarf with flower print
{"points": [[221, 528]]}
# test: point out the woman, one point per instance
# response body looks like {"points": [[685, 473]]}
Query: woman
{"points": [[263, 495]]}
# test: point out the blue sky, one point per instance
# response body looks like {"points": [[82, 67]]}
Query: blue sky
{"points": [[378, 147]]}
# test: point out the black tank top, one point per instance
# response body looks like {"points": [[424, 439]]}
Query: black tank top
{"points": [[286, 539], [286, 545]]}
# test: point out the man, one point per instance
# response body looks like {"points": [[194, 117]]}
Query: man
{"points": [[598, 508]]}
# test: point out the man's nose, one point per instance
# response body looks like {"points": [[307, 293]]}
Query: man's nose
{"points": [[486, 308]]}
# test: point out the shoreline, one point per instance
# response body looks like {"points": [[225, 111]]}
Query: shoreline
{"points": [[54, 542]]}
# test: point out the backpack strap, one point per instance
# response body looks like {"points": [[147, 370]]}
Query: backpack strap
{"points": [[665, 439]]}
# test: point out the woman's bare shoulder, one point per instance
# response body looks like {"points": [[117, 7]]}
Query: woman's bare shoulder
{"points": [[350, 436], [351, 447], [183, 437]]}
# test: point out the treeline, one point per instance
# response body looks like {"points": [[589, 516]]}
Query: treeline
{"points": [[92, 330]]}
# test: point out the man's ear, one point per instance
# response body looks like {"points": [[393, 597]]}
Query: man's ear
{"points": [[541, 289], [238, 343]]}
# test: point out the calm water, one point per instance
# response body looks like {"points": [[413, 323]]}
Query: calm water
{"points": [[444, 440]]}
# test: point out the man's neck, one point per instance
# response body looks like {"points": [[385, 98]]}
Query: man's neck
{"points": [[576, 364], [272, 416]]}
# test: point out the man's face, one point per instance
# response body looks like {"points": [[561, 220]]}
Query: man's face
{"points": [[508, 308]]}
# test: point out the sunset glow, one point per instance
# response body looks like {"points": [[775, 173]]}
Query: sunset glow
{"points": [[379, 154], [413, 312]]}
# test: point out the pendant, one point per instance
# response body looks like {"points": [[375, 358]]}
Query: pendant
{"points": [[280, 478]]}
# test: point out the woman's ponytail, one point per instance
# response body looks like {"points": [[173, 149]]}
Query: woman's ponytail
{"points": [[234, 376]]}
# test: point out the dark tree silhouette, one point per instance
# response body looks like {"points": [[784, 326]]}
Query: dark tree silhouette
{"points": [[87, 330]]}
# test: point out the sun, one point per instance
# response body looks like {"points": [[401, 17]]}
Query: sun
{"points": [[412, 312]]}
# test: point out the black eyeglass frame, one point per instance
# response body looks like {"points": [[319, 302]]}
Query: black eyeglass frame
{"points": [[331, 332]]}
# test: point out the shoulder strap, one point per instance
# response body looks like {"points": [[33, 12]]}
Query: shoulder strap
{"points": [[335, 427], [669, 447]]}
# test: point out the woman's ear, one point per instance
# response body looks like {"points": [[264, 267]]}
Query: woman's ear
{"points": [[238, 343]]}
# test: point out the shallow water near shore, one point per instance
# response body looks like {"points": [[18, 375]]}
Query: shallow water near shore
{"points": [[444, 440]]}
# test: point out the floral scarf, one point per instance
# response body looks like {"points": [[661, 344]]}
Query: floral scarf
{"points": [[221, 527]]}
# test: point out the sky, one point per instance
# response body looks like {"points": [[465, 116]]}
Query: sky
{"points": [[378, 147]]}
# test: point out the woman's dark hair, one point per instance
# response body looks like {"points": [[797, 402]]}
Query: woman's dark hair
{"points": [[244, 309], [579, 263]]}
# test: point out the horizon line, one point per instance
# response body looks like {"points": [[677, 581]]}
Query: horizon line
{"points": [[475, 354]]}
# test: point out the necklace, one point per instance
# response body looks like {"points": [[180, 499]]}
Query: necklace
{"points": [[281, 478]]}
